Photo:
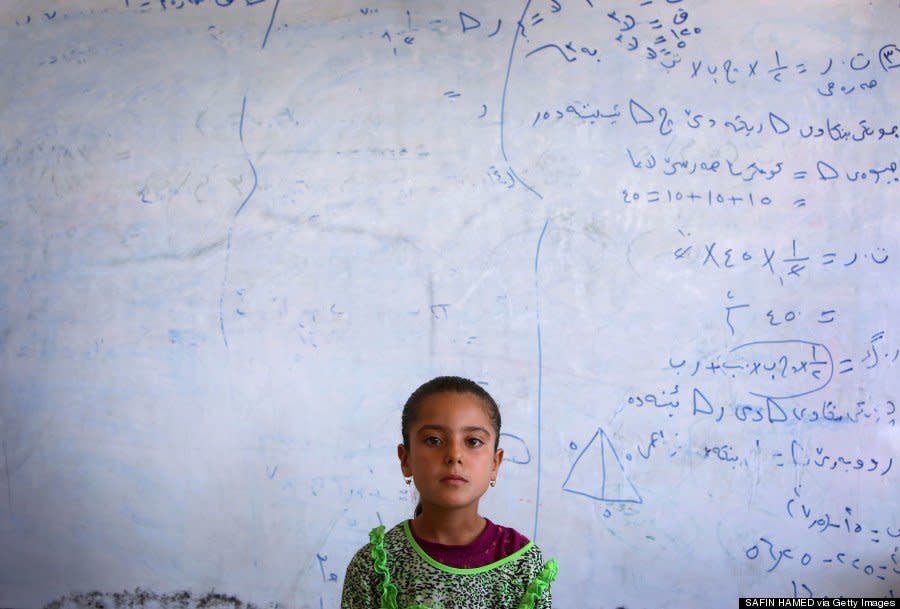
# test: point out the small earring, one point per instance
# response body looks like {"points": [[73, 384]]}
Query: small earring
{"points": [[408, 481], [493, 483]]}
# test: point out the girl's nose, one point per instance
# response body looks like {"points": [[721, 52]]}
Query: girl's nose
{"points": [[454, 454]]}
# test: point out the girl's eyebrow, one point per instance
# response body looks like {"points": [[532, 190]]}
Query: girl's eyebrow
{"points": [[468, 429]]}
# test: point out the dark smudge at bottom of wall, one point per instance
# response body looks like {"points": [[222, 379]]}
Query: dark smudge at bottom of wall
{"points": [[145, 599]]}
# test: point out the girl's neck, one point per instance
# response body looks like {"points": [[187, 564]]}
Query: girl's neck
{"points": [[452, 528]]}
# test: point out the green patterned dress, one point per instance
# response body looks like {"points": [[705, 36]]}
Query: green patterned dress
{"points": [[393, 572]]}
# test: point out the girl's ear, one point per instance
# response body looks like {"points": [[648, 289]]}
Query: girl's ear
{"points": [[403, 455], [498, 459]]}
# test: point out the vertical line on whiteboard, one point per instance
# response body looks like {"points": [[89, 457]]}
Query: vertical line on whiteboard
{"points": [[520, 29], [540, 367], [222, 292], [603, 443], [431, 319], [512, 51], [231, 227], [271, 21], [8, 479], [228, 254], [243, 110]]}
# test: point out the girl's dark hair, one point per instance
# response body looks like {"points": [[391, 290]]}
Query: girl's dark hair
{"points": [[447, 384]]}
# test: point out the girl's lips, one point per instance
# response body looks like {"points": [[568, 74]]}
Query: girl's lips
{"points": [[454, 480]]}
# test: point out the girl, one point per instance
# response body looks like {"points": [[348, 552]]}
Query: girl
{"points": [[448, 556]]}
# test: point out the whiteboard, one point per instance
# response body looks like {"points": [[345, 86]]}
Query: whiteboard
{"points": [[236, 234]]}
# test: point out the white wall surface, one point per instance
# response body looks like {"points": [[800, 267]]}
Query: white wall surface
{"points": [[235, 235]]}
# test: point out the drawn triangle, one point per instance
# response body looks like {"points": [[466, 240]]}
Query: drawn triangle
{"points": [[585, 476], [598, 473]]}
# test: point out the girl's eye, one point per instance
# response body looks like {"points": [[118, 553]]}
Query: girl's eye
{"points": [[475, 442], [432, 441]]}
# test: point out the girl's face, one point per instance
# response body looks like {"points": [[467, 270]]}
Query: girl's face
{"points": [[451, 453]]}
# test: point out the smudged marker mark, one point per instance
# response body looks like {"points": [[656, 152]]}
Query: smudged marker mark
{"points": [[200, 116], [537, 298], [241, 127], [271, 21], [222, 292], [8, 480]]}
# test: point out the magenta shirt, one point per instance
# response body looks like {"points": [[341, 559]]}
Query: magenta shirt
{"points": [[492, 544]]}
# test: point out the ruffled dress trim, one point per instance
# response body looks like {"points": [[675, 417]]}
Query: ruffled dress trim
{"points": [[386, 589], [539, 585]]}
